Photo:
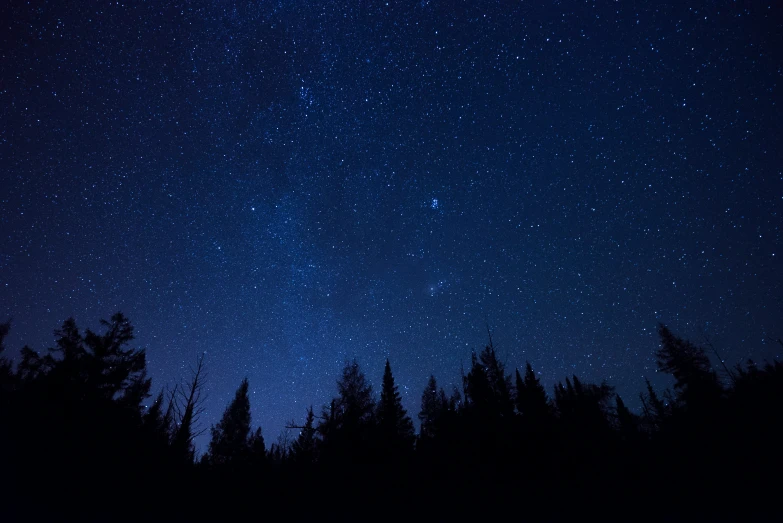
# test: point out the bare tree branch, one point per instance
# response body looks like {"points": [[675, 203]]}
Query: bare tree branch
{"points": [[717, 355]]}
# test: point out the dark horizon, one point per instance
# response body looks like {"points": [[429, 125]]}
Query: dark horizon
{"points": [[78, 418]]}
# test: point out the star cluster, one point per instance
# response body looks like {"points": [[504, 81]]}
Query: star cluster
{"points": [[289, 185]]}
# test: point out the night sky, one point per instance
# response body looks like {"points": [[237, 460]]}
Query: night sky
{"points": [[287, 185]]}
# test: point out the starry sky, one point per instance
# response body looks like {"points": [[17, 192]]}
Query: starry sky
{"points": [[287, 185]]}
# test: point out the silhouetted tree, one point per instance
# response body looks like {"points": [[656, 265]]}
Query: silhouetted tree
{"points": [[655, 411], [30, 365], [188, 409], [137, 391], [487, 386], [478, 393], [394, 425], [347, 423], [76, 415], [6, 370], [5, 328], [279, 452], [531, 399], [695, 381], [257, 447], [355, 405], [99, 365], [450, 403], [111, 368], [431, 406], [303, 448], [230, 442], [157, 421], [583, 405]]}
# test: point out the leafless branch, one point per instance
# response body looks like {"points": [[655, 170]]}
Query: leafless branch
{"points": [[717, 355]]}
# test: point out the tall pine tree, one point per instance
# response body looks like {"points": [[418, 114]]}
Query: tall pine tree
{"points": [[348, 423], [355, 405], [430, 408], [531, 399], [627, 422], [695, 382], [394, 424], [230, 437], [487, 386], [303, 449]]}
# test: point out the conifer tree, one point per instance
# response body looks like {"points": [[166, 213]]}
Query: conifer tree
{"points": [[430, 408], [230, 437], [695, 382], [487, 386], [348, 422], [499, 381], [137, 390], [655, 410], [531, 398], [154, 420], [583, 405], [478, 393], [111, 367], [303, 448], [280, 451], [256, 447], [5, 328], [355, 405], [31, 365], [394, 424]]}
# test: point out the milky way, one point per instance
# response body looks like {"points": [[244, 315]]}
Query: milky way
{"points": [[289, 185]]}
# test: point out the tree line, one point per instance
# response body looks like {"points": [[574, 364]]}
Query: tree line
{"points": [[80, 437]]}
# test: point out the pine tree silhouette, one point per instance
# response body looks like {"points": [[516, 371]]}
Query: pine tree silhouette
{"points": [[230, 442], [583, 406], [155, 421], [111, 367], [280, 451], [256, 448], [347, 424], [394, 425], [655, 411], [531, 399], [431, 405], [79, 415], [304, 447], [695, 381], [355, 404], [487, 386], [478, 392]]}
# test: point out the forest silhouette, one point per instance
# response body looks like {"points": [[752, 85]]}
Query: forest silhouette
{"points": [[84, 437]]}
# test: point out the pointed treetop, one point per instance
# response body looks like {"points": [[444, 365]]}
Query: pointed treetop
{"points": [[395, 424]]}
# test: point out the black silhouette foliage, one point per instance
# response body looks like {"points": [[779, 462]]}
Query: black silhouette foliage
{"points": [[394, 425], [81, 414], [230, 443]]}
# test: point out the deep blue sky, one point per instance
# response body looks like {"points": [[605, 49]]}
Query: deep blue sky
{"points": [[288, 185]]}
